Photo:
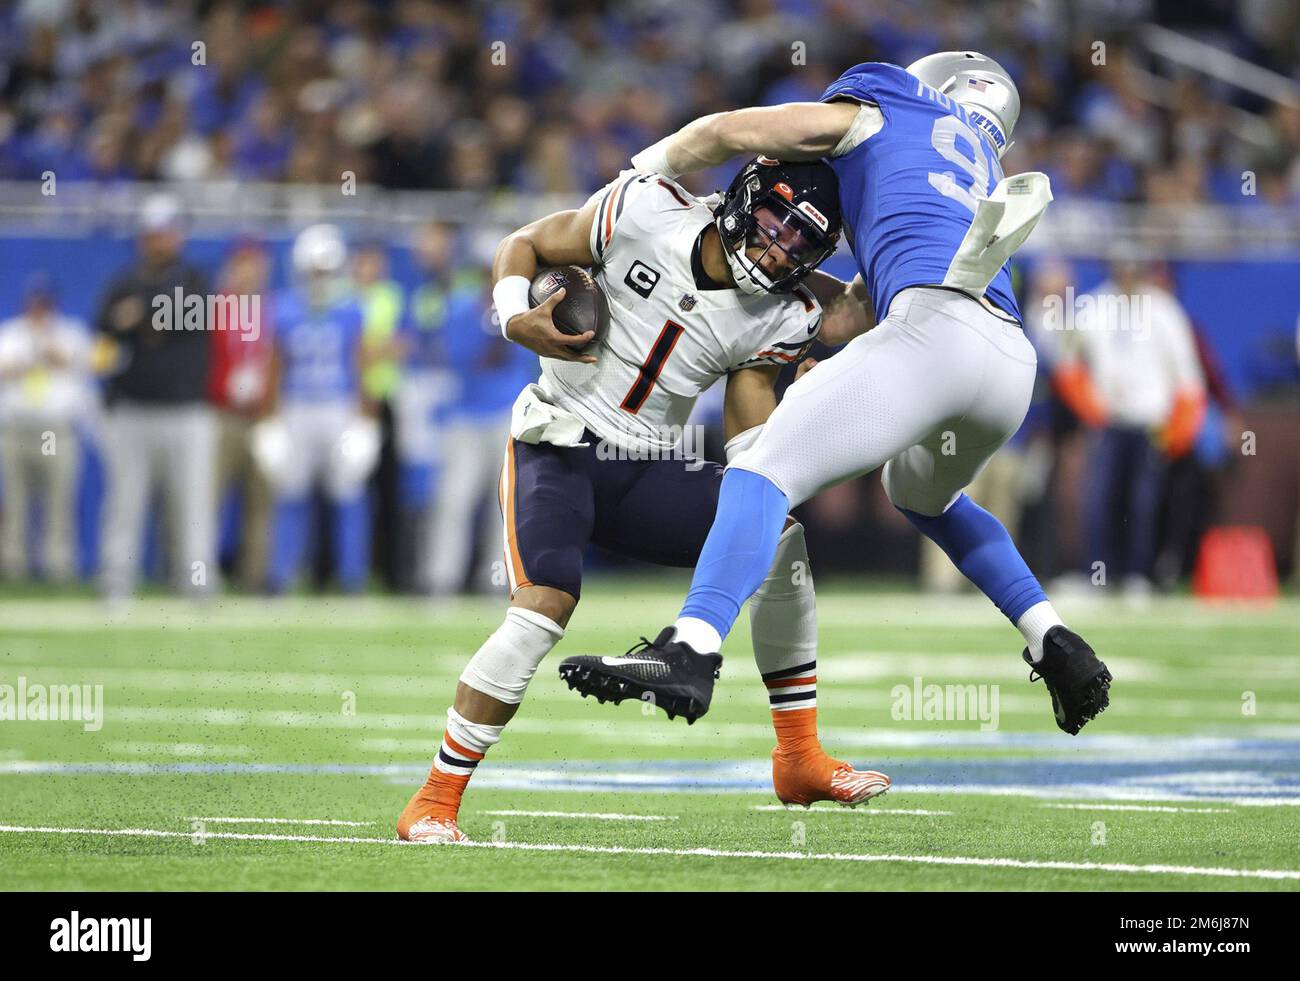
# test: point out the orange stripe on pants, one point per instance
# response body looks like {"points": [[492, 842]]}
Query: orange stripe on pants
{"points": [[514, 562]]}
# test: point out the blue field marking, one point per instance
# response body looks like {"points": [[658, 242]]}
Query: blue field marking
{"points": [[1238, 771]]}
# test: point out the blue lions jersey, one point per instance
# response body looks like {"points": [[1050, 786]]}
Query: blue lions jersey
{"points": [[318, 349], [908, 193]]}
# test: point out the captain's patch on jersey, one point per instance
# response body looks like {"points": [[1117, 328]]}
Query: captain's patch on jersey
{"points": [[642, 278]]}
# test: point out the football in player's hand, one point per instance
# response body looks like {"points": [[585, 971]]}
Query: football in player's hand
{"points": [[584, 306]]}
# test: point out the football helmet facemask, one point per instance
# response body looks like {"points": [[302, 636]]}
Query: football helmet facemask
{"points": [[778, 222]]}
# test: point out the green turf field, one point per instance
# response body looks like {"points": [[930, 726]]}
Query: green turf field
{"points": [[270, 745]]}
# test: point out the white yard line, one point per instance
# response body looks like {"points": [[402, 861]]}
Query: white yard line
{"points": [[1139, 807], [1009, 863], [597, 816], [841, 809], [303, 821]]}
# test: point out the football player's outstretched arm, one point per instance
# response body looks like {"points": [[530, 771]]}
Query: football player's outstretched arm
{"points": [[793, 131], [846, 307], [560, 239]]}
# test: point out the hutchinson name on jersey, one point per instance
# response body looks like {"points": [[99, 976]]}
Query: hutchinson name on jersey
{"points": [[669, 339]]}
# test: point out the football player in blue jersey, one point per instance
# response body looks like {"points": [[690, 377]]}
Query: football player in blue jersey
{"points": [[930, 393], [318, 434]]}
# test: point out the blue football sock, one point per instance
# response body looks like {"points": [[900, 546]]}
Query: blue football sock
{"points": [[981, 548], [739, 549], [288, 540], [352, 542]]}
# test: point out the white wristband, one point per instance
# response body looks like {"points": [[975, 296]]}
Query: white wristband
{"points": [[510, 297], [654, 160]]}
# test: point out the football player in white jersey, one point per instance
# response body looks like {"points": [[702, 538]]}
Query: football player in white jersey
{"points": [[696, 294]]}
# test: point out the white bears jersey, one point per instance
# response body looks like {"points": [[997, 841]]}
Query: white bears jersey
{"points": [[668, 339]]}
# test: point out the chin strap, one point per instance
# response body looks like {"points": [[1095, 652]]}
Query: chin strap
{"points": [[745, 276]]}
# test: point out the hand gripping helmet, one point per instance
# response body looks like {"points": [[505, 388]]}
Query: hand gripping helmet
{"points": [[980, 85], [788, 211]]}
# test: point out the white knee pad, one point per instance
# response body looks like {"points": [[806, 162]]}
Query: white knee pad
{"points": [[507, 661], [478, 736], [783, 611]]}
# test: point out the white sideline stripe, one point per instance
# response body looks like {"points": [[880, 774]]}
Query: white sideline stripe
{"points": [[307, 821], [915, 812], [599, 816], [1008, 863], [1139, 807]]}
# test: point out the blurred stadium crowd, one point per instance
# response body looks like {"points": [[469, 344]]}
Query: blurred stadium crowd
{"points": [[382, 461], [555, 96]]}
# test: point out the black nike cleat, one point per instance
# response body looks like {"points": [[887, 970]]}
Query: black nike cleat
{"points": [[666, 673], [1076, 678]]}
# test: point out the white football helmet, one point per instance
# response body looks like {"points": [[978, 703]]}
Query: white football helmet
{"points": [[319, 250], [980, 85]]}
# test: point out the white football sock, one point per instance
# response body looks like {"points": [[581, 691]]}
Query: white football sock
{"points": [[702, 636], [1034, 624], [783, 625], [463, 745], [507, 661]]}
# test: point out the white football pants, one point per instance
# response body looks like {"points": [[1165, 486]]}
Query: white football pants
{"points": [[930, 393]]}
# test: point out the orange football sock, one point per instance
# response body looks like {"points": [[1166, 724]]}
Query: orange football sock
{"points": [[440, 796], [796, 732]]}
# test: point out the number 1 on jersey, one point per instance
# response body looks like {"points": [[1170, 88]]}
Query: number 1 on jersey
{"points": [[652, 367]]}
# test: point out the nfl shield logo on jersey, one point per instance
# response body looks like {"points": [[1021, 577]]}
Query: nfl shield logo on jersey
{"points": [[687, 302]]}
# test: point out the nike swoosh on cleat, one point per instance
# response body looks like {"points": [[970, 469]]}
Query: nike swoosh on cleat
{"points": [[615, 661]]}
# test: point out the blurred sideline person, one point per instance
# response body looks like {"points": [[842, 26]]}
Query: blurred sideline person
{"points": [[238, 388], [426, 385], [159, 429], [1130, 371], [318, 436], [1047, 425], [45, 389], [381, 306], [997, 488], [1194, 482], [489, 372]]}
